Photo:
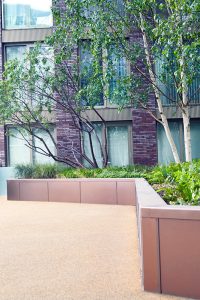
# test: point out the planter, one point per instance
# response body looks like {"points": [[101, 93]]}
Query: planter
{"points": [[97, 191], [169, 244], [169, 236]]}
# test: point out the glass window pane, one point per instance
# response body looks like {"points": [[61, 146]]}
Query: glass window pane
{"points": [[194, 92], [19, 153], [117, 6], [165, 155], [195, 140], [166, 83], [86, 73], [45, 60], [45, 69], [96, 146], [27, 14], [15, 52], [118, 149], [118, 67], [37, 157]]}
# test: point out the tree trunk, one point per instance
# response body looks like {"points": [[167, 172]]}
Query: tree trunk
{"points": [[157, 94], [185, 111], [187, 134]]}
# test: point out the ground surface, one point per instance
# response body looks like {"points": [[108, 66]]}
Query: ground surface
{"points": [[51, 251]]}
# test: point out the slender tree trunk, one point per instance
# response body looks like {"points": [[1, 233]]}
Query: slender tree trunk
{"points": [[185, 112], [187, 134], [157, 93]]}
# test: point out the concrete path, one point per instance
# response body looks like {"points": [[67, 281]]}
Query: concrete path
{"points": [[51, 251]]}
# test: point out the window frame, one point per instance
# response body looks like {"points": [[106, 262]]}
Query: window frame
{"points": [[104, 62]]}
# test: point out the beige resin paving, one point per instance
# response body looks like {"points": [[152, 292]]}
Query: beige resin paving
{"points": [[51, 251]]}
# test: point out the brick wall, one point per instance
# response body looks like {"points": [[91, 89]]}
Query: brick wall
{"points": [[143, 125], [68, 136], [144, 138]]}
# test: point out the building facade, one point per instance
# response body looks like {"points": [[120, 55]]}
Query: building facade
{"points": [[134, 137]]}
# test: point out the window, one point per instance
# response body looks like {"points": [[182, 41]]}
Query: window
{"points": [[164, 151], [18, 52], [14, 52], [97, 141], [19, 14], [19, 153], [117, 6], [168, 87], [165, 155], [119, 143], [87, 75], [111, 63], [118, 66]]}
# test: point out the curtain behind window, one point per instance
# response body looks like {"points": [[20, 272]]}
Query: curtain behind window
{"points": [[19, 153], [118, 145]]}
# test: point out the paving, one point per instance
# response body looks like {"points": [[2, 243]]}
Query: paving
{"points": [[63, 251]]}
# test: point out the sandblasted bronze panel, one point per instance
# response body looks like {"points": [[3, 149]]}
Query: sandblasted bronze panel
{"points": [[150, 255], [33, 190], [126, 193], [25, 35], [172, 212], [64, 191], [98, 192], [13, 190], [180, 257]]}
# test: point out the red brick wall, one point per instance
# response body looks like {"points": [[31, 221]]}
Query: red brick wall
{"points": [[144, 138], [143, 125], [68, 136]]}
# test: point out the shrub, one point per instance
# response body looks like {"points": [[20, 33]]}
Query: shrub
{"points": [[38, 170], [178, 183], [24, 171]]}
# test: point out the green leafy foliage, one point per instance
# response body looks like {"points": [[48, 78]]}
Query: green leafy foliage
{"points": [[177, 183], [38, 170]]}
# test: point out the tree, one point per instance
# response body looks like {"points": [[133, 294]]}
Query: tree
{"points": [[169, 31], [34, 88], [164, 53]]}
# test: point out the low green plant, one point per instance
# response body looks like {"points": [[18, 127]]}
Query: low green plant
{"points": [[38, 170], [178, 183]]}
